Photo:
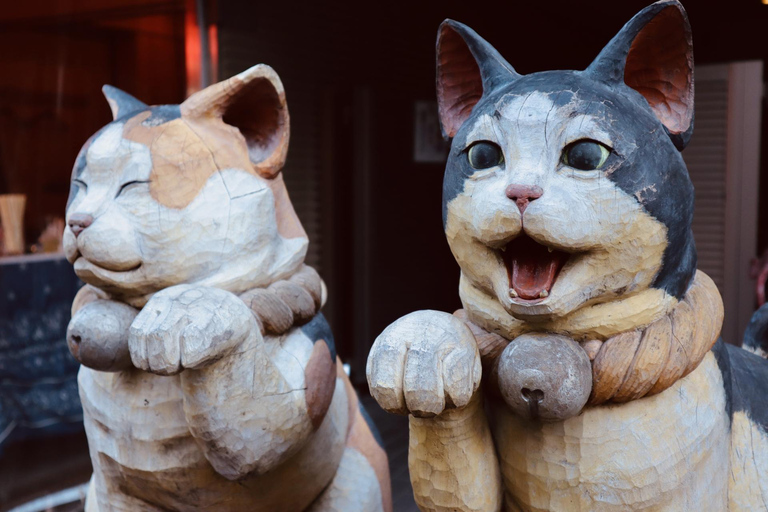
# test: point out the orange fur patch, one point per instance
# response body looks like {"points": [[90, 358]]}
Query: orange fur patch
{"points": [[288, 224], [187, 151], [244, 101], [362, 439], [352, 401], [320, 376]]}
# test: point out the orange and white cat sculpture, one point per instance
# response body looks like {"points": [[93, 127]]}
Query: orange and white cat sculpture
{"points": [[210, 379]]}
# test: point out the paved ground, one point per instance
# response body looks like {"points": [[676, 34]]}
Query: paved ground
{"points": [[36, 467]]}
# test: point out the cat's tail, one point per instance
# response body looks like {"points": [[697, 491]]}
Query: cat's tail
{"points": [[756, 335]]}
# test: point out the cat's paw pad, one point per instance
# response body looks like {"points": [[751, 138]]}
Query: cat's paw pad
{"points": [[187, 326], [424, 363]]}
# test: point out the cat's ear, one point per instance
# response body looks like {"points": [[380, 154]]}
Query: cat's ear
{"points": [[467, 67], [254, 103], [120, 102], [653, 54]]}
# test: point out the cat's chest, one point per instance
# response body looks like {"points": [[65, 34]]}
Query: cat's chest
{"points": [[132, 400], [666, 452], [136, 419]]}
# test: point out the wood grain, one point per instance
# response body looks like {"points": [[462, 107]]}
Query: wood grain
{"points": [[452, 461], [12, 218]]}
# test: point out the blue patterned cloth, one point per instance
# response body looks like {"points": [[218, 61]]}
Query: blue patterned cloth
{"points": [[38, 375]]}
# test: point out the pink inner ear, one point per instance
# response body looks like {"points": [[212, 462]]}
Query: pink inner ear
{"points": [[259, 113], [660, 67], [459, 84]]}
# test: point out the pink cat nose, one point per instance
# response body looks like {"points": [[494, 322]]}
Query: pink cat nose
{"points": [[79, 221], [523, 194]]}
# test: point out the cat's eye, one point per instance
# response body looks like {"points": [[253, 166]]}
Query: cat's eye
{"points": [[586, 155], [482, 155], [80, 183], [127, 185]]}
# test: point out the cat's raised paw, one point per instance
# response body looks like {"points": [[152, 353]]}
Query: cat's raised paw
{"points": [[188, 327], [424, 363]]}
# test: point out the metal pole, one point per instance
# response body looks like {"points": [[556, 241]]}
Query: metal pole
{"points": [[205, 48]]}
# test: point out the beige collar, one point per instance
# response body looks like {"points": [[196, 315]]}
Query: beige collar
{"points": [[648, 359], [286, 303]]}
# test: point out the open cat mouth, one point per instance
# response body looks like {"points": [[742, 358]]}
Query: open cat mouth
{"points": [[532, 268]]}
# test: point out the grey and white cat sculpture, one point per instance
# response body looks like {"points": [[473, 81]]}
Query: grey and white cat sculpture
{"points": [[568, 207], [210, 379]]}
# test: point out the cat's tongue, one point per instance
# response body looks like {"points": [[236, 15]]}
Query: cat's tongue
{"points": [[532, 267]]}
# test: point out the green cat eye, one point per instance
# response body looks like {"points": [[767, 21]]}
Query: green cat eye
{"points": [[586, 155], [483, 155]]}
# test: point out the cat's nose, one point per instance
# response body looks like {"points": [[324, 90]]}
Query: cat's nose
{"points": [[522, 195], [78, 222]]}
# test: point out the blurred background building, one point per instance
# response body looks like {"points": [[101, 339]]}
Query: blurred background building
{"points": [[364, 168]]}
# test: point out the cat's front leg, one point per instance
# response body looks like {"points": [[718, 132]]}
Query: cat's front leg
{"points": [[428, 364], [188, 326]]}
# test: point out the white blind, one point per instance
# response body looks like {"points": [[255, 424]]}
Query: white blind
{"points": [[705, 157], [723, 161]]}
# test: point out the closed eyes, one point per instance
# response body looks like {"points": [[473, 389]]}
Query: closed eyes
{"points": [[128, 185]]}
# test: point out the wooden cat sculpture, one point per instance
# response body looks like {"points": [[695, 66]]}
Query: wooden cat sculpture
{"points": [[568, 207], [209, 379]]}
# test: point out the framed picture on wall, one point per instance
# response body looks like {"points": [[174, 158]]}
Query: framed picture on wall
{"points": [[428, 143]]}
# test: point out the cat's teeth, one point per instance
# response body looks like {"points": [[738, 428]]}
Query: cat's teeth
{"points": [[504, 249], [544, 294], [550, 249], [513, 294]]}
